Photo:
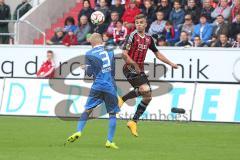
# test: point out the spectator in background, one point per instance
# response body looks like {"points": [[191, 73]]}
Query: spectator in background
{"points": [[184, 3], [177, 15], [112, 25], [235, 10], [86, 10], [221, 27], [119, 33], [108, 42], [235, 27], [212, 41], [187, 26], [149, 11], [118, 7], [223, 41], [104, 9], [203, 30], [122, 2], [5, 14], [161, 41], [193, 10], [214, 3], [129, 15], [101, 28], [236, 43], [184, 41], [57, 38], [207, 10], [82, 30], [137, 2], [223, 9], [171, 34], [198, 43], [88, 36], [70, 38], [48, 67], [25, 7], [166, 8], [158, 26], [69, 24]]}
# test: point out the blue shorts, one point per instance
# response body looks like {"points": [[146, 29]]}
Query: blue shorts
{"points": [[97, 97]]}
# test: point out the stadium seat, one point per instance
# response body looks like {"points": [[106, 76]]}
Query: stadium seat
{"points": [[60, 21]]}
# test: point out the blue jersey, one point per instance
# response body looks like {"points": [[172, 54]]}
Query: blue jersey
{"points": [[101, 66]]}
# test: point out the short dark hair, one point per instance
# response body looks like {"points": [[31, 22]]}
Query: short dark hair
{"points": [[169, 23], [88, 3], [220, 16], [184, 32], [114, 12], [159, 11], [197, 37], [203, 15], [120, 21], [177, 1], [69, 19], [140, 16], [222, 34], [50, 51]]}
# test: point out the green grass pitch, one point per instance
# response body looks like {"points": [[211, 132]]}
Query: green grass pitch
{"points": [[43, 138]]}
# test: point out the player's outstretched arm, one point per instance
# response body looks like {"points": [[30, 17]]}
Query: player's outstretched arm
{"points": [[129, 61], [164, 59]]}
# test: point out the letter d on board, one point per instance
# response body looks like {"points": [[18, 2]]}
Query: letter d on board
{"points": [[16, 89]]}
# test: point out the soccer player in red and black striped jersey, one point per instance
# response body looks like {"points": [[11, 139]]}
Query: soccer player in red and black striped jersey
{"points": [[134, 53]]}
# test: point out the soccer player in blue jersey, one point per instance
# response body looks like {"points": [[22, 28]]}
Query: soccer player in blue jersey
{"points": [[100, 65]]}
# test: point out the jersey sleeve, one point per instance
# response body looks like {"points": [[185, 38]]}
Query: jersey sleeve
{"points": [[153, 46], [128, 42]]}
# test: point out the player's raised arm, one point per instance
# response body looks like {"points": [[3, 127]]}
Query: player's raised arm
{"points": [[160, 56], [164, 59]]}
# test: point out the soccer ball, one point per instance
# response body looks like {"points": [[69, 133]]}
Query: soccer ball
{"points": [[97, 18]]}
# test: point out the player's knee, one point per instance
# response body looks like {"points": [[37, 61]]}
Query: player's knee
{"points": [[144, 89]]}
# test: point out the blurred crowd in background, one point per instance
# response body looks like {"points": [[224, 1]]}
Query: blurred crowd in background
{"points": [[183, 23]]}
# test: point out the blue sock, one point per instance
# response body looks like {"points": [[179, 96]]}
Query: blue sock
{"points": [[82, 121], [112, 126]]}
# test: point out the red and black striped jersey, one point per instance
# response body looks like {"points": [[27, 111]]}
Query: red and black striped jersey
{"points": [[138, 45]]}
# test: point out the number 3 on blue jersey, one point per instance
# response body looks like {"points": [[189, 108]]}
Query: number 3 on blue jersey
{"points": [[105, 59]]}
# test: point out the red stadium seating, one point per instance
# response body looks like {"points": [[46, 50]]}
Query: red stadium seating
{"points": [[60, 21]]}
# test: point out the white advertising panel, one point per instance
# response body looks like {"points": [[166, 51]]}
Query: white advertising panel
{"points": [[25, 61], [35, 97], [179, 96], [1, 90], [217, 103], [195, 64]]}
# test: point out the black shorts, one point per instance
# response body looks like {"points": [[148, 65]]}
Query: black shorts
{"points": [[133, 78]]}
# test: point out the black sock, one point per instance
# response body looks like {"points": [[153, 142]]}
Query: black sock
{"points": [[132, 94], [140, 110]]}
